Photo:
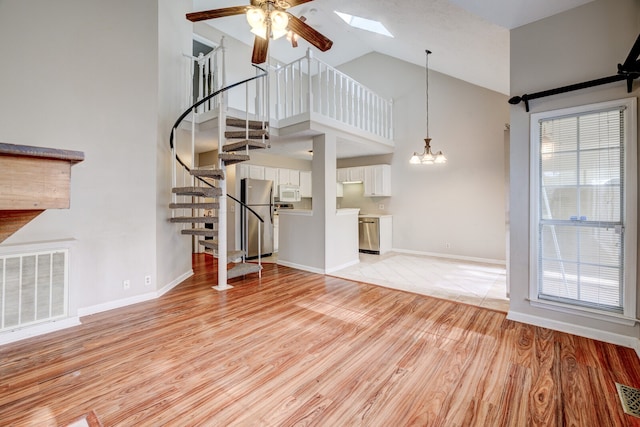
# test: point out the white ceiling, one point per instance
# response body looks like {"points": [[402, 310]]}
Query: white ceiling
{"points": [[469, 38]]}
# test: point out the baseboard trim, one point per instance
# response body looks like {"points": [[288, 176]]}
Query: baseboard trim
{"points": [[340, 267], [301, 267], [451, 256], [166, 288], [583, 331], [99, 308], [36, 330]]}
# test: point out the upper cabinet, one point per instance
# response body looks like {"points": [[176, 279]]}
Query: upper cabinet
{"points": [[355, 174], [256, 172], [288, 176], [305, 184], [377, 181], [242, 171], [277, 175], [271, 174]]}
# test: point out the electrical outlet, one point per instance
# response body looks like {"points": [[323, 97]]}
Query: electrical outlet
{"points": [[447, 245], [381, 206], [126, 284], [147, 280]]}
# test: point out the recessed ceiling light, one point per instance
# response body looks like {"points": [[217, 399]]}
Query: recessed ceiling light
{"points": [[364, 24]]}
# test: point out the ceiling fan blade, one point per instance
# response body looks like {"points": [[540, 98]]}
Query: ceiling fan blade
{"points": [[293, 3], [630, 62], [293, 37], [216, 13], [260, 50], [309, 34]]}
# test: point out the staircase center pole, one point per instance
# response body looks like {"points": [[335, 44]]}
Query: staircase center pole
{"points": [[222, 201]]}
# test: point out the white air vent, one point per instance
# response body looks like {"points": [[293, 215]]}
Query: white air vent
{"points": [[33, 288]]}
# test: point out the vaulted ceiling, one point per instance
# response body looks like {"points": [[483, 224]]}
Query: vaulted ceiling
{"points": [[469, 38]]}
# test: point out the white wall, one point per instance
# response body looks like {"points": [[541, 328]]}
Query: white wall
{"points": [[175, 35], [83, 75], [238, 63], [461, 202], [578, 45]]}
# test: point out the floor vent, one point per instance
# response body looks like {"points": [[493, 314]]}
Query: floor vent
{"points": [[33, 288], [630, 399]]}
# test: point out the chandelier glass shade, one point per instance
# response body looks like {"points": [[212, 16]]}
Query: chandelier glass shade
{"points": [[427, 157]]}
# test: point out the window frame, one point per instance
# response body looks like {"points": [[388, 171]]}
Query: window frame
{"points": [[628, 315]]}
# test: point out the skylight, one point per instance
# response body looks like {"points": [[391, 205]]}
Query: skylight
{"points": [[364, 24]]}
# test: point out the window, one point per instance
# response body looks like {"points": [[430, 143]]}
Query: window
{"points": [[583, 200]]}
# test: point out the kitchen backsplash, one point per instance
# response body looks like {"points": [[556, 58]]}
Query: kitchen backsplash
{"points": [[353, 198]]}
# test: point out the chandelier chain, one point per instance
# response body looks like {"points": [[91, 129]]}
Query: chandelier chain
{"points": [[427, 51]]}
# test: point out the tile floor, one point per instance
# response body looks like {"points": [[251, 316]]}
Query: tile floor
{"points": [[473, 283]]}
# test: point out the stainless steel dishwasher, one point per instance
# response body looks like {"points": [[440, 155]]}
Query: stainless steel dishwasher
{"points": [[369, 235]]}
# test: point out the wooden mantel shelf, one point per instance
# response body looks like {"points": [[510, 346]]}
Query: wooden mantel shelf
{"points": [[32, 179]]}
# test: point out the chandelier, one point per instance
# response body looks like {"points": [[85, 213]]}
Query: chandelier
{"points": [[427, 157], [268, 20]]}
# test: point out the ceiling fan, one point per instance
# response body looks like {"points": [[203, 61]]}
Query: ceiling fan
{"points": [[268, 18]]}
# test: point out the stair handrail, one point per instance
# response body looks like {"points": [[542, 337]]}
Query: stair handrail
{"points": [[222, 272], [191, 109], [242, 204], [196, 105]]}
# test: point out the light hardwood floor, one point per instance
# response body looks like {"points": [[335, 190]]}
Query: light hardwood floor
{"points": [[296, 348]]}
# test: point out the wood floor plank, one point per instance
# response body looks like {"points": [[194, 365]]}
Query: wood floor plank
{"points": [[297, 348]]}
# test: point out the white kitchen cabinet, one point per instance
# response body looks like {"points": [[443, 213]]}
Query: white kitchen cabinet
{"points": [[242, 171], [357, 174], [271, 174], [339, 189], [354, 174], [377, 181], [386, 239], [276, 228], [256, 172], [305, 184], [342, 175], [288, 176]]}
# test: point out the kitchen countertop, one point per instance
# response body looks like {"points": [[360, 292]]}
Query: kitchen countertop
{"points": [[346, 211], [375, 216], [295, 212]]}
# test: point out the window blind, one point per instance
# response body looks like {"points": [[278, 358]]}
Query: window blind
{"points": [[581, 202]]}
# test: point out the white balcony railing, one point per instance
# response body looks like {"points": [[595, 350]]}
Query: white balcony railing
{"points": [[204, 75], [309, 86]]}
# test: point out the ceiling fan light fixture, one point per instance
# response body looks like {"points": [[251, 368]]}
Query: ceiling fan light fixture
{"points": [[279, 20], [276, 34], [256, 17], [260, 31]]}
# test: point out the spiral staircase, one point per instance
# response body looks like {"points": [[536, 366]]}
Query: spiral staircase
{"points": [[237, 137]]}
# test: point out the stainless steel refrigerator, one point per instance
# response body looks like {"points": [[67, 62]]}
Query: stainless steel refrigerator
{"points": [[258, 195]]}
